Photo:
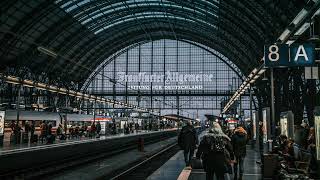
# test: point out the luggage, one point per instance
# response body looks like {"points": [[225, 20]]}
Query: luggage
{"points": [[62, 137], [25, 138], [34, 138], [50, 139], [196, 163]]}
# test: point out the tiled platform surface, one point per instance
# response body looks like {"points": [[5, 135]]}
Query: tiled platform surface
{"points": [[172, 168]]}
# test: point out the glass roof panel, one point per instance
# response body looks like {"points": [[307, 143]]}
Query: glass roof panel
{"points": [[91, 15], [147, 15]]}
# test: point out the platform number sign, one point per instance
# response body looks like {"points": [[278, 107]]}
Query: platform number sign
{"points": [[288, 56]]}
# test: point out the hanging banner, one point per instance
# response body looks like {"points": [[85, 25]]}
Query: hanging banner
{"points": [[289, 56], [2, 113]]}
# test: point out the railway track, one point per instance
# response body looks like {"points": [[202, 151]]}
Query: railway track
{"points": [[46, 170], [143, 169]]}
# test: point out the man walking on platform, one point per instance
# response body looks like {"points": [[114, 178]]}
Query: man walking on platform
{"points": [[187, 141], [239, 142]]}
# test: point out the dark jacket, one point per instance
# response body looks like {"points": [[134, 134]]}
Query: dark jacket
{"points": [[98, 127], [188, 138], [239, 141], [215, 160]]}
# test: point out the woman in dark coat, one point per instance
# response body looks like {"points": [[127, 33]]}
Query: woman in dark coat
{"points": [[239, 142], [212, 150]]}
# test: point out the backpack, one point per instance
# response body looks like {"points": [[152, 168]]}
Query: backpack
{"points": [[216, 144]]}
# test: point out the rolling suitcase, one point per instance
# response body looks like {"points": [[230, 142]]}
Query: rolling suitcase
{"points": [[34, 138], [62, 137], [25, 137], [196, 163]]}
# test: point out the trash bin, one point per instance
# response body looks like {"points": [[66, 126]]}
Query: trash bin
{"points": [[270, 141], [270, 165], [1, 139], [141, 144]]}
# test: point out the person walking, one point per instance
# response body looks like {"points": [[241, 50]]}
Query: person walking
{"points": [[239, 142], [98, 126], [188, 141], [212, 150], [32, 129], [44, 131]]}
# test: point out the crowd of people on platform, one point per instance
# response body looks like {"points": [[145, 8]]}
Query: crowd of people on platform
{"points": [[26, 132], [222, 151], [48, 135], [221, 154]]}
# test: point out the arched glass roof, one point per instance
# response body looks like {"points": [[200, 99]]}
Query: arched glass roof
{"points": [[169, 59], [83, 33]]}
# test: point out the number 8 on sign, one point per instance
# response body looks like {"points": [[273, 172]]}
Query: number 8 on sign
{"points": [[273, 53]]}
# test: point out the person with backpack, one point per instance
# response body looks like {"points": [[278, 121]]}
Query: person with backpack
{"points": [[239, 142], [188, 141], [214, 150]]}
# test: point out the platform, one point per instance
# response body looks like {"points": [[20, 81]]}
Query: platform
{"points": [[70, 152], [175, 168], [15, 148]]}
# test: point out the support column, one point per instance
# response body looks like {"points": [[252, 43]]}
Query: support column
{"points": [[251, 116], [272, 106], [18, 103]]}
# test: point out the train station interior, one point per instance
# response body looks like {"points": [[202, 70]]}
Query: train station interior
{"points": [[160, 89]]}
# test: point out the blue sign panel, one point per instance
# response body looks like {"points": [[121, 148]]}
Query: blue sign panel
{"points": [[302, 55], [285, 56]]}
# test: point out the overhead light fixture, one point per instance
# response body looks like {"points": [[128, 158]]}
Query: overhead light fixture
{"points": [[256, 77], [53, 89], [302, 29], [289, 42], [262, 71], [47, 52], [12, 82], [302, 14], [284, 35], [28, 83], [254, 70]]}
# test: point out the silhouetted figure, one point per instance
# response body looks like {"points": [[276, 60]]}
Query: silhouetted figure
{"points": [[187, 141], [239, 142]]}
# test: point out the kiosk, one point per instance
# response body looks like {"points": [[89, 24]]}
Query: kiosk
{"points": [[287, 124]]}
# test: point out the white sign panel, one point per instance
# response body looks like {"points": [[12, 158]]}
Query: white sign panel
{"points": [[103, 127], [167, 81], [2, 113]]}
